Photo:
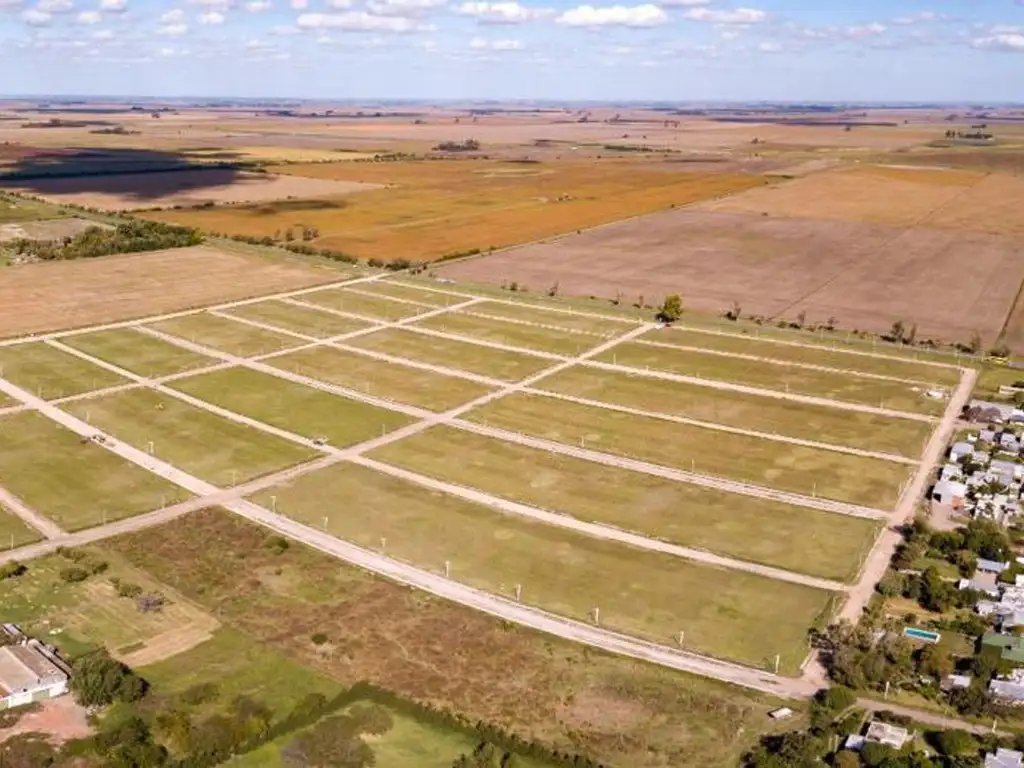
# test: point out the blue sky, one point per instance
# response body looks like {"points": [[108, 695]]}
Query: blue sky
{"points": [[947, 50]]}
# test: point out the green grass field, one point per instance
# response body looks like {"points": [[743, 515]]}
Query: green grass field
{"points": [[14, 532], [289, 317], [375, 377], [137, 352], [238, 667], [819, 423], [294, 407], [225, 335], [49, 373], [796, 538], [844, 360], [461, 355], [76, 484], [793, 468], [599, 326], [366, 306], [213, 448], [568, 343], [396, 290], [409, 744], [642, 593], [779, 377]]}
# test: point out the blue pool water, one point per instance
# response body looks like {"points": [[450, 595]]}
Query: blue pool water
{"points": [[922, 634]]}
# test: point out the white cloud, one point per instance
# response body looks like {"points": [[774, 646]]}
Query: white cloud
{"points": [[403, 7], [103, 34], [1012, 42], [258, 6], [283, 30], [173, 30], [864, 30], [90, 17], [478, 43], [213, 5], [175, 16], [300, 5], [55, 6], [211, 18], [735, 16], [358, 21], [339, 5], [500, 13], [613, 15], [919, 18], [36, 18], [769, 47], [683, 3], [113, 6], [9, 4]]}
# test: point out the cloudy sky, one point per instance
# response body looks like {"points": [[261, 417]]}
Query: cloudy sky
{"points": [[832, 50]]}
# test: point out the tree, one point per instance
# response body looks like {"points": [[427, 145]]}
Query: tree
{"points": [[873, 754], [671, 309], [97, 680], [988, 539], [934, 662], [955, 742], [936, 594], [846, 759], [975, 345], [896, 332], [794, 749]]}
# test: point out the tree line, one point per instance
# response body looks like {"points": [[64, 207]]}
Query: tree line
{"points": [[129, 237]]}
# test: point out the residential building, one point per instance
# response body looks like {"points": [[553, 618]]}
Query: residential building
{"points": [[889, 735], [1004, 758], [29, 670]]}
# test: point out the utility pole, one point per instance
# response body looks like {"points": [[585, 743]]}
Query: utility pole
{"points": [[597, 616], [325, 522], [777, 659], [519, 587], [273, 504], [447, 569], [682, 635], [383, 543]]}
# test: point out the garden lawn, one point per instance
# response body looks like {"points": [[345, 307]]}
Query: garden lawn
{"points": [[355, 371], [50, 373], [294, 407], [211, 447], [449, 353], [805, 421], [651, 595], [75, 484], [138, 352], [872, 482], [758, 530]]}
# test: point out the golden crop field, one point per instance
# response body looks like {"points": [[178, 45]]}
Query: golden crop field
{"points": [[431, 208]]}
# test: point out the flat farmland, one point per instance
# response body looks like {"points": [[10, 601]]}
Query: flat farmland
{"points": [[460, 355], [211, 447], [862, 275], [344, 300], [512, 334], [779, 377], [431, 208], [137, 352], [358, 372], [226, 335], [754, 346], [49, 373], [404, 292], [298, 319], [641, 593], [758, 530], [75, 484], [14, 532], [818, 423], [58, 295], [131, 191], [294, 407], [794, 468], [567, 321]]}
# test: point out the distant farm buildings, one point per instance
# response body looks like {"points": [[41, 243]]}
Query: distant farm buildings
{"points": [[29, 670]]}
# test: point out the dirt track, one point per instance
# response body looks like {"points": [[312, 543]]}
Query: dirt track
{"points": [[865, 275]]}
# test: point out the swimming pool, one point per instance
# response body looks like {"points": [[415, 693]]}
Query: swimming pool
{"points": [[922, 634]]}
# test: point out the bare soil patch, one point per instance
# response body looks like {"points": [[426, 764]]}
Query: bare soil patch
{"points": [[53, 229], [61, 719], [132, 191], [68, 294], [866, 276]]}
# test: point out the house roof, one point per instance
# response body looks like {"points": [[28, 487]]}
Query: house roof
{"points": [[23, 668], [1004, 758], [1007, 689], [992, 566], [884, 733]]}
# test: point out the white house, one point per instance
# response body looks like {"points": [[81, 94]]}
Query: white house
{"points": [[29, 672]]}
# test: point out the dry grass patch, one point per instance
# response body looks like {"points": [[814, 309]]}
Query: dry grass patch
{"points": [[58, 295], [639, 592], [808, 471], [77, 485], [50, 373], [744, 527], [600, 326], [289, 317], [380, 379], [14, 532], [405, 292], [431, 208], [511, 334], [366, 306], [818, 423]]}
